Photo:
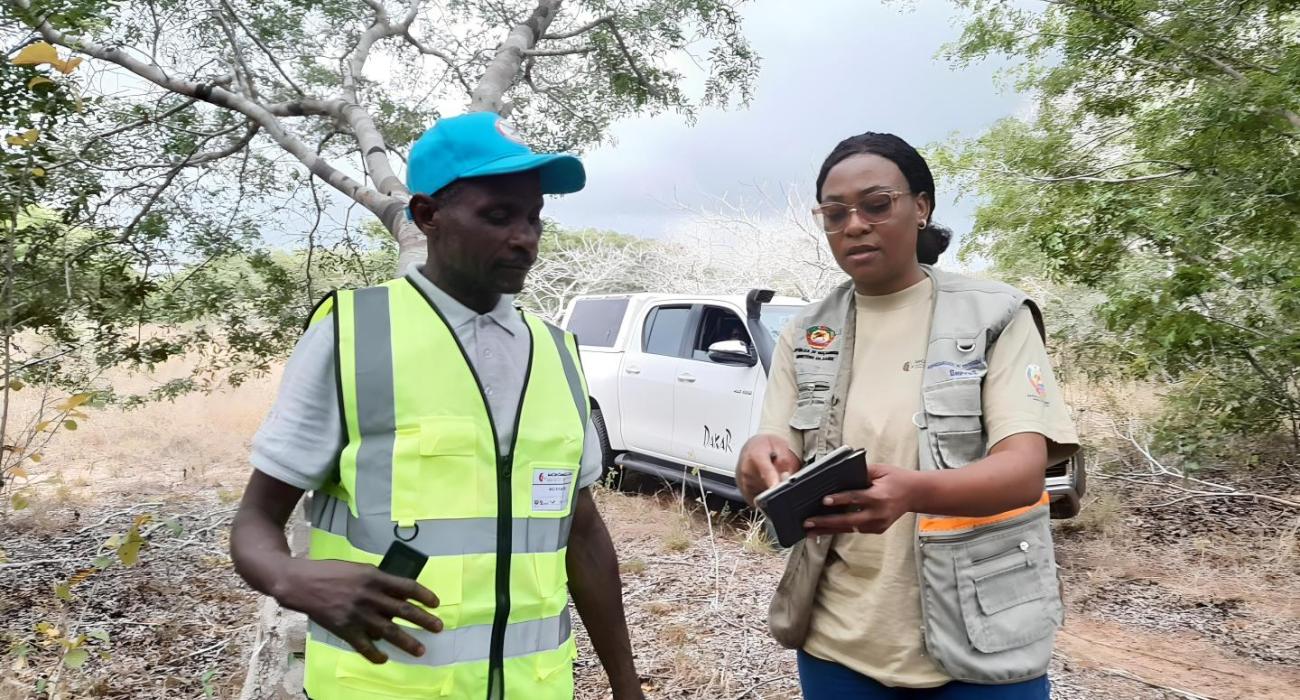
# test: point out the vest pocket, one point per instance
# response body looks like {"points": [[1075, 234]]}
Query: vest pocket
{"points": [[954, 421], [548, 675], [393, 679], [989, 600], [445, 577], [996, 596], [437, 455]]}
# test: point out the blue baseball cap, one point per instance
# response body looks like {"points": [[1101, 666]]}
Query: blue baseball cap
{"points": [[481, 144]]}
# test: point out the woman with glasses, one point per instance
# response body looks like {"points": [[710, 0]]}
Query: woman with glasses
{"points": [[938, 581]]}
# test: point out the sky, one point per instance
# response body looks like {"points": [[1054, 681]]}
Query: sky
{"points": [[830, 69]]}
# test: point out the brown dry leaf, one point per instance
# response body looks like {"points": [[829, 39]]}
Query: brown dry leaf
{"points": [[66, 67]]}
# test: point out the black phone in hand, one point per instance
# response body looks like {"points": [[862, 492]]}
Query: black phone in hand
{"points": [[403, 560]]}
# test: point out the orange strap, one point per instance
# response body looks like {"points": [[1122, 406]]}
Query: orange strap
{"points": [[946, 523]]}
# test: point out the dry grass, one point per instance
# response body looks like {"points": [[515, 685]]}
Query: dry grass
{"points": [[1102, 515], [632, 566], [196, 443], [678, 538]]}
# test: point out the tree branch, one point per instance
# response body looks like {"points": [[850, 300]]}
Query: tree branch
{"points": [[243, 75], [631, 62], [270, 56], [217, 95], [503, 70], [559, 52], [232, 149], [430, 51], [607, 19]]}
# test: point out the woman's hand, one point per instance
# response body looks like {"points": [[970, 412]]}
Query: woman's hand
{"points": [[893, 494], [765, 461]]}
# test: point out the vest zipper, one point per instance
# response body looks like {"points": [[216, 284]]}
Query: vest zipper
{"points": [[505, 519], [505, 538]]}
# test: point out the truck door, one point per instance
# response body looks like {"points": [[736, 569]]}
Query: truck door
{"points": [[715, 397], [649, 377]]}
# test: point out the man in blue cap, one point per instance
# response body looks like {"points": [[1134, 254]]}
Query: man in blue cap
{"points": [[446, 439]]}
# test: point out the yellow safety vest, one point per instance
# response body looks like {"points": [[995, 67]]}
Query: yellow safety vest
{"points": [[420, 463]]}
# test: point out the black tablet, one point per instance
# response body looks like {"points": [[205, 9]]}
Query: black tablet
{"points": [[788, 504]]}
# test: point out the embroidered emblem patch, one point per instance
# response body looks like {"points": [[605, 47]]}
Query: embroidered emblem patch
{"points": [[820, 337], [1034, 374]]}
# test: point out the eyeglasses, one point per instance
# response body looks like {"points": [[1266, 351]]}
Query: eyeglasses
{"points": [[874, 208]]}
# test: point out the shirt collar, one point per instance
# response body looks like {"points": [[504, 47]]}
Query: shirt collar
{"points": [[504, 314]]}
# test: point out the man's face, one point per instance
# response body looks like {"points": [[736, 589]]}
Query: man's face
{"points": [[483, 237]]}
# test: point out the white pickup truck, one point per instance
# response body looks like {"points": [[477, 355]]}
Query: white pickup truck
{"points": [[677, 383]]}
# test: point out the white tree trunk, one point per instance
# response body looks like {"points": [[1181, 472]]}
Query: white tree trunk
{"points": [[411, 247], [275, 668]]}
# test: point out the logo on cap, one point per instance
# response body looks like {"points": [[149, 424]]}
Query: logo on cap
{"points": [[509, 131]]}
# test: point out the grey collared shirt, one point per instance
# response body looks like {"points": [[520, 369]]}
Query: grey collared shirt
{"points": [[299, 441]]}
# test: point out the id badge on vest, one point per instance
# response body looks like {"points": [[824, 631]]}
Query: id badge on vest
{"points": [[551, 489]]}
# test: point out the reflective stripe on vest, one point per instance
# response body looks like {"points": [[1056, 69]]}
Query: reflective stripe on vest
{"points": [[466, 644], [436, 538], [420, 463]]}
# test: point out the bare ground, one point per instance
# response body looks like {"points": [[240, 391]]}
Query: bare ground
{"points": [[1191, 601]]}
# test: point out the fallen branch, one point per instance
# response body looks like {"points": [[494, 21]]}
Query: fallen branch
{"points": [[1206, 494], [110, 516]]}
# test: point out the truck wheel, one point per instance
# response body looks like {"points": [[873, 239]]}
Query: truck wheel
{"points": [[606, 452]]}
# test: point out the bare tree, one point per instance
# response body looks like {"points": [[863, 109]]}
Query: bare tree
{"points": [[729, 247]]}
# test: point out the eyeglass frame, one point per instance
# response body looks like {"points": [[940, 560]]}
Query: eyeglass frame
{"points": [[854, 209]]}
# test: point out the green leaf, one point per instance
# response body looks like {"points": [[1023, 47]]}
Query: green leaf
{"points": [[103, 561], [40, 685], [63, 591], [129, 552], [16, 384], [75, 658], [101, 635], [70, 424], [19, 501], [173, 526]]}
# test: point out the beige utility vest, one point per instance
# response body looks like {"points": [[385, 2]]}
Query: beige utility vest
{"points": [[990, 603]]}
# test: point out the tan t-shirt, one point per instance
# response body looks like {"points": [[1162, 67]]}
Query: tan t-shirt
{"points": [[868, 611]]}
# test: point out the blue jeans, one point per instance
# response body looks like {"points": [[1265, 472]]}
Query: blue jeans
{"points": [[827, 680]]}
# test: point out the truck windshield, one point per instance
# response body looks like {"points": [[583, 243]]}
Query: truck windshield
{"points": [[596, 321], [774, 318]]}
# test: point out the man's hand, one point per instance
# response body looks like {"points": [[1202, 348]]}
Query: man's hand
{"points": [[358, 602], [873, 510], [765, 461]]}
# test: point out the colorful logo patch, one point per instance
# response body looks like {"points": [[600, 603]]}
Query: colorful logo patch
{"points": [[508, 130], [820, 337], [1034, 374]]}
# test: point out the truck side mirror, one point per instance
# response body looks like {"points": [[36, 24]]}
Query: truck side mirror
{"points": [[732, 352]]}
